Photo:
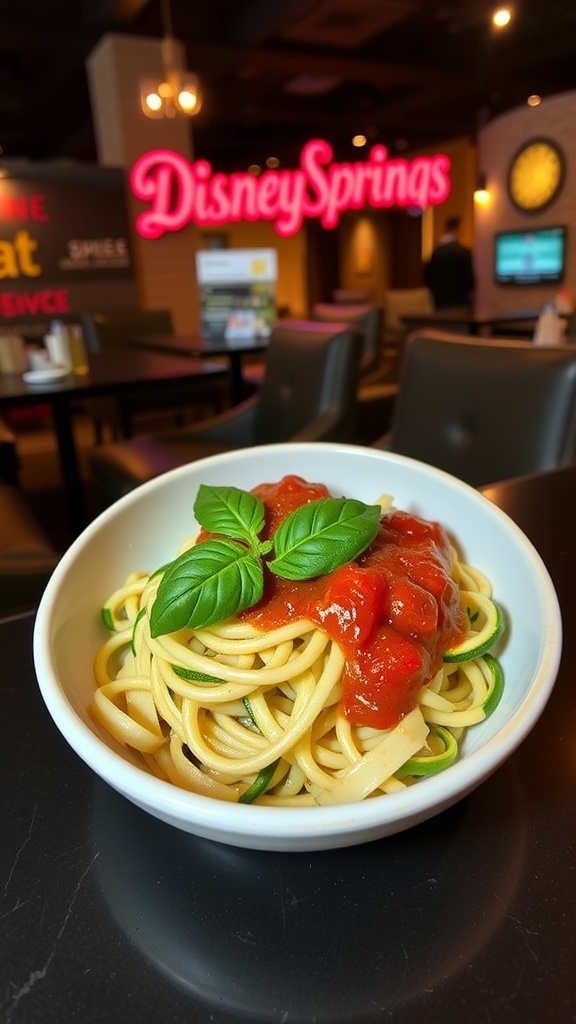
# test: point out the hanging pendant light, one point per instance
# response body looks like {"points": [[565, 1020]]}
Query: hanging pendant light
{"points": [[178, 91]]}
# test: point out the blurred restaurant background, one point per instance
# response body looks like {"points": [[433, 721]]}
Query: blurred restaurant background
{"points": [[363, 126]]}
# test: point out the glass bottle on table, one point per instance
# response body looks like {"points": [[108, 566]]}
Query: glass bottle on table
{"points": [[77, 349]]}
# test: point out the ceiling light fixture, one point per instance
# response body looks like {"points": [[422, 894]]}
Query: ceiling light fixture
{"points": [[501, 17], [178, 91]]}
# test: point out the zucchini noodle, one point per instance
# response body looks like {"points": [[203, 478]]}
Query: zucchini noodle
{"points": [[243, 715]]}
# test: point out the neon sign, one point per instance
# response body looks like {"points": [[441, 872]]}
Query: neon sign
{"points": [[179, 192]]}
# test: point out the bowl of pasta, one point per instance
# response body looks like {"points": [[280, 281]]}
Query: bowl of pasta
{"points": [[298, 646]]}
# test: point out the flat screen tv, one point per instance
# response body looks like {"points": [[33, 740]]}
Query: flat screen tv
{"points": [[532, 256]]}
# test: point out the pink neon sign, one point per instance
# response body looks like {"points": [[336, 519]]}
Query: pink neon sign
{"points": [[179, 192]]}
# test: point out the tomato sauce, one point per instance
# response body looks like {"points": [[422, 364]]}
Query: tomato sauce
{"points": [[393, 611]]}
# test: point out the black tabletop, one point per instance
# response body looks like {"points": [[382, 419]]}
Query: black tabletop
{"points": [[110, 915], [112, 372], [201, 345]]}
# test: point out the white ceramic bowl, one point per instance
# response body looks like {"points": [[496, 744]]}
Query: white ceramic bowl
{"points": [[143, 531]]}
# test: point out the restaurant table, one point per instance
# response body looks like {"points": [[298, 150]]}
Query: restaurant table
{"points": [[234, 350], [508, 322], [110, 915], [109, 373]]}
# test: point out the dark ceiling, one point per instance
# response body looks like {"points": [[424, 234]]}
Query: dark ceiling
{"points": [[406, 73]]}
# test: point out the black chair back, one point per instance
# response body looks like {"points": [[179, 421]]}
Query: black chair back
{"points": [[312, 370], [117, 329], [309, 393], [27, 558], [485, 410], [351, 296], [367, 317]]}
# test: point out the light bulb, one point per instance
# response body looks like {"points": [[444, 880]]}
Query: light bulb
{"points": [[501, 17], [153, 101], [187, 100]]}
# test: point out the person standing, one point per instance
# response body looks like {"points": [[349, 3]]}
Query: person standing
{"points": [[449, 274]]}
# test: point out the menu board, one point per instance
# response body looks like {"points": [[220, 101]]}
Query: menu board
{"points": [[237, 292]]}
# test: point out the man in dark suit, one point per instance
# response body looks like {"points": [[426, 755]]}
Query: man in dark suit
{"points": [[449, 274]]}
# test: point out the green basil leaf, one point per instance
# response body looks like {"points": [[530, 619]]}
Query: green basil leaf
{"points": [[318, 537], [230, 511], [205, 585]]}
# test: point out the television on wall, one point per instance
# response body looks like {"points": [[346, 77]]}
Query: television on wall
{"points": [[530, 256]]}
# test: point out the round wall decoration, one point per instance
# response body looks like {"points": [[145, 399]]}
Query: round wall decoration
{"points": [[536, 175]]}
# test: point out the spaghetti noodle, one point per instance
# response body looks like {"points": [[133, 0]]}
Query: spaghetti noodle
{"points": [[272, 705]]}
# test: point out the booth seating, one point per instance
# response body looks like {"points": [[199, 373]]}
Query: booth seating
{"points": [[484, 410], [27, 558], [308, 394], [116, 329]]}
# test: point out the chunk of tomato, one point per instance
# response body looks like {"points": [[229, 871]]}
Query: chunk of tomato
{"points": [[352, 604], [411, 609]]}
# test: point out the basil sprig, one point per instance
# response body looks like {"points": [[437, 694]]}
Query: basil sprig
{"points": [[224, 575]]}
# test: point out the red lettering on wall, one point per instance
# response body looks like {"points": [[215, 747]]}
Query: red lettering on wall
{"points": [[48, 302], [179, 192], [32, 207]]}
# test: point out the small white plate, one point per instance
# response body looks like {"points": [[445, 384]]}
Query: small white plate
{"points": [[45, 376]]}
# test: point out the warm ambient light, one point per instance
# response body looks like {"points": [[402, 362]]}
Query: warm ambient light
{"points": [[534, 100], [501, 17], [178, 91], [359, 140], [481, 193], [187, 100]]}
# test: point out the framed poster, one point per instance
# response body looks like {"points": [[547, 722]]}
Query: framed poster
{"points": [[237, 292]]}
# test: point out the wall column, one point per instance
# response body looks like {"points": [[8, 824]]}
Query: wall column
{"points": [[165, 268]]}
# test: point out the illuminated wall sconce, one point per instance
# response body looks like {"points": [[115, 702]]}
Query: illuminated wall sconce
{"points": [[481, 193]]}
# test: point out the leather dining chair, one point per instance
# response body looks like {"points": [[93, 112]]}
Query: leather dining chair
{"points": [[27, 558], [376, 387], [351, 296], [367, 316], [400, 302], [484, 410], [107, 331], [308, 394]]}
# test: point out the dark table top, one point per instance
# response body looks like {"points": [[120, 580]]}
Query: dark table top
{"points": [[119, 372], [199, 345], [508, 322], [109, 373], [110, 915]]}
